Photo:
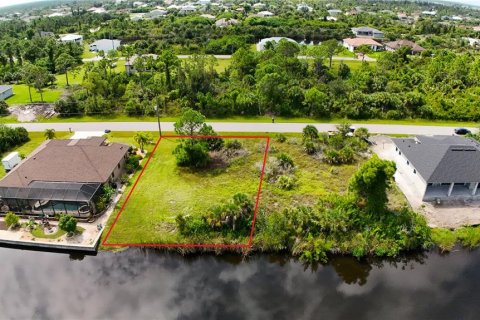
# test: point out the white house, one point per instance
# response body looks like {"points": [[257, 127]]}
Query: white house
{"points": [[352, 43], [302, 7], [440, 167], [221, 23], [334, 12], [472, 41], [5, 92], [157, 13], [188, 8], [105, 45], [263, 42], [367, 32], [265, 14], [72, 38]]}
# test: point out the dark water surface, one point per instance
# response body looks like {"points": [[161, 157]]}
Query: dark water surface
{"points": [[146, 284]]}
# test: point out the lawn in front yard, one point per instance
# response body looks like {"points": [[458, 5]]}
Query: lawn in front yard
{"points": [[21, 96], [165, 191]]}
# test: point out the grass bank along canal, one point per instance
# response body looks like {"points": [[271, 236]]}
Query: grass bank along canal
{"points": [[147, 284]]}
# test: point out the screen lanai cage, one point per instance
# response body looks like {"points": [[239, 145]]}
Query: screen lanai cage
{"points": [[42, 198]]}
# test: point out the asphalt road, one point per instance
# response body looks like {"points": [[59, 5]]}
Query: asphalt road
{"points": [[234, 127]]}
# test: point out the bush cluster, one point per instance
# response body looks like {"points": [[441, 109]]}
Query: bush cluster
{"points": [[12, 137]]}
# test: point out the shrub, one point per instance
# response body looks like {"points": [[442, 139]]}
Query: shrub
{"points": [[310, 133], [67, 223], [213, 144], [3, 108], [285, 161], [133, 163], [191, 226], [280, 137], [233, 144], [124, 179], [11, 219], [192, 153], [286, 182], [309, 147]]}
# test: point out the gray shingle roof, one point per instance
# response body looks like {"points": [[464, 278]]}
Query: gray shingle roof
{"points": [[443, 159]]}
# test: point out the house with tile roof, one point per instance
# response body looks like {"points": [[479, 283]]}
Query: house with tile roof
{"points": [[440, 167], [353, 43], [63, 177]]}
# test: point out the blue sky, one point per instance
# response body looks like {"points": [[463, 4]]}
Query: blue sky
{"points": [[4, 3]]}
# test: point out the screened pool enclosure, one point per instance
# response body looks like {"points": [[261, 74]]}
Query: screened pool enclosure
{"points": [[50, 198]]}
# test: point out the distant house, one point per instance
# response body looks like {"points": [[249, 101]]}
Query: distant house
{"points": [[5, 92], [105, 45], [188, 8], [63, 177], [395, 45], [265, 14], [334, 12], [208, 16], [157, 13], [258, 6], [221, 23], [43, 34], [72, 38], [429, 13], [263, 42], [440, 167], [352, 43], [302, 7], [472, 41], [130, 63], [367, 32]]}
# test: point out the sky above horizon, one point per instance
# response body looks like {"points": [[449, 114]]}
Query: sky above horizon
{"points": [[5, 3]]}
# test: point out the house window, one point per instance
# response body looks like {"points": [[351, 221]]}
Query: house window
{"points": [[414, 171], [396, 148], [429, 184], [113, 175], [400, 152], [408, 162], [118, 166]]}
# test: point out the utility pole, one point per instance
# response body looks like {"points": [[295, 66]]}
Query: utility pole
{"points": [[158, 118]]}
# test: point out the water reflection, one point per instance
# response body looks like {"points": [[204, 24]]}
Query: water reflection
{"points": [[147, 284]]}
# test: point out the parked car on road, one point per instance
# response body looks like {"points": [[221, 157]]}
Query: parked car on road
{"points": [[461, 131]]}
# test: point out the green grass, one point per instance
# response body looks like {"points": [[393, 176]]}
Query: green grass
{"points": [[446, 239], [87, 54], [39, 233], [166, 191], [21, 96], [223, 64], [36, 139]]}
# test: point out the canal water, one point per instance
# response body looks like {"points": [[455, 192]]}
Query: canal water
{"points": [[147, 284]]}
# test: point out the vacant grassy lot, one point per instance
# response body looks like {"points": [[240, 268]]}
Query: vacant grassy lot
{"points": [[21, 96], [36, 139], [165, 190]]}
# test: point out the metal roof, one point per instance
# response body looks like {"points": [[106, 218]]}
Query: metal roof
{"points": [[4, 88], [56, 191]]}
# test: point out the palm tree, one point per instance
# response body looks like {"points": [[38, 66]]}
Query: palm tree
{"points": [[49, 134], [142, 138]]}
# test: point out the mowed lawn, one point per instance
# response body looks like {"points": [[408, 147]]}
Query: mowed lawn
{"points": [[165, 191]]}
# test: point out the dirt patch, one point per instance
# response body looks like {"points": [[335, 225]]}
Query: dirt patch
{"points": [[30, 112], [3, 226]]}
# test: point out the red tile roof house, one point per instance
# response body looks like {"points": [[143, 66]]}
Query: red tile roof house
{"points": [[352, 43], [63, 177]]}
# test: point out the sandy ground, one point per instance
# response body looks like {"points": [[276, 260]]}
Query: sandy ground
{"points": [[453, 214], [30, 112]]}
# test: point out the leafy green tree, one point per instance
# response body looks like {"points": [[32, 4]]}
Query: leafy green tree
{"points": [[316, 102], [142, 139], [310, 133], [189, 123], [168, 61], [343, 128], [65, 62], [213, 144], [192, 153], [67, 223], [362, 133], [363, 50], [28, 77], [49, 134], [370, 183], [3, 108], [11, 219], [343, 70], [331, 47]]}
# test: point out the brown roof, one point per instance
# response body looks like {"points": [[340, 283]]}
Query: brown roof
{"points": [[404, 43], [82, 160], [356, 42]]}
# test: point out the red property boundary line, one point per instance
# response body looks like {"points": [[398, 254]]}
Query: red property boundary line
{"points": [[234, 246]]}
